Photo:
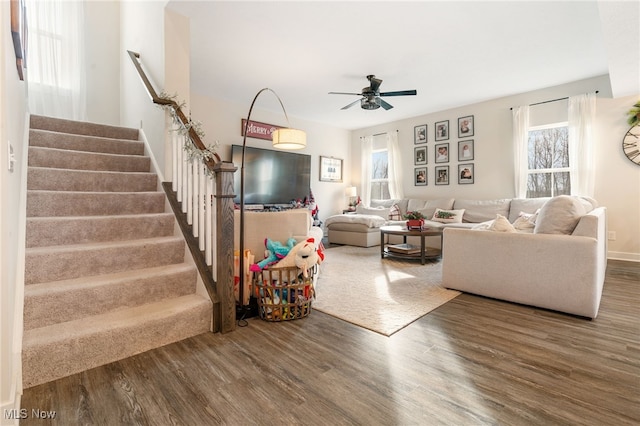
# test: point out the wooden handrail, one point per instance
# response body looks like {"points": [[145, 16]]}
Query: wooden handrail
{"points": [[161, 101], [221, 288]]}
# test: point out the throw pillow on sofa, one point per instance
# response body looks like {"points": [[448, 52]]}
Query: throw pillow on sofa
{"points": [[559, 215], [395, 213], [448, 216], [501, 224], [526, 221]]}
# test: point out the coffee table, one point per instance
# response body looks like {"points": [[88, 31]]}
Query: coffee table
{"points": [[402, 251]]}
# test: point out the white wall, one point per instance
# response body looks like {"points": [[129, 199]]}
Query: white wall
{"points": [[222, 122], [617, 179], [12, 130], [142, 31], [102, 56]]}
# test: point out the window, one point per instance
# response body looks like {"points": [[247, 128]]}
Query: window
{"points": [[548, 161], [380, 174]]}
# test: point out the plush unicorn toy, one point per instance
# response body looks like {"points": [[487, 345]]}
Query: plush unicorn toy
{"points": [[307, 256], [276, 251]]}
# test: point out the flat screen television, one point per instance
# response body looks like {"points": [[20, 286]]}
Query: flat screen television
{"points": [[271, 177]]}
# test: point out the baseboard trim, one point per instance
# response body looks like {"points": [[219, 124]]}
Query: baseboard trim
{"points": [[11, 408], [629, 257]]}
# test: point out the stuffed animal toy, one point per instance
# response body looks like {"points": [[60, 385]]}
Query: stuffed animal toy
{"points": [[307, 256], [275, 252], [304, 255]]}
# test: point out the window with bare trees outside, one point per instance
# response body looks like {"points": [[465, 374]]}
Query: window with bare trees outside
{"points": [[380, 175], [548, 155]]}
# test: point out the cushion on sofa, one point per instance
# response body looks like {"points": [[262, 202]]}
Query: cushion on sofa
{"points": [[559, 215], [525, 205], [366, 220], [382, 203], [428, 207], [476, 211], [448, 216], [395, 213], [383, 212]]}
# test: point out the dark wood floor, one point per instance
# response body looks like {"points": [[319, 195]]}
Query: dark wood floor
{"points": [[473, 361]]}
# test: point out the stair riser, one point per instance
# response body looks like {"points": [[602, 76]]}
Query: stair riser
{"points": [[42, 232], [62, 263], [72, 354], [47, 139], [77, 160], [49, 303], [82, 128], [80, 180], [54, 203]]}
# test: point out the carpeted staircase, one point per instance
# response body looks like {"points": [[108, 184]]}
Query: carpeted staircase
{"points": [[105, 275]]}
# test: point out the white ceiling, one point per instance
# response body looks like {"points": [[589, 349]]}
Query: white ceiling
{"points": [[453, 53]]}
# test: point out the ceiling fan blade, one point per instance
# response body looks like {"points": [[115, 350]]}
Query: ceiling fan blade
{"points": [[385, 105], [351, 104], [375, 83], [344, 93], [400, 93]]}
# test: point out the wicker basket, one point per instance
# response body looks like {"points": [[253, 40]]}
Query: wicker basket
{"points": [[283, 294]]}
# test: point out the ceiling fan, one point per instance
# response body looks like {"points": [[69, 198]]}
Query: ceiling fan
{"points": [[371, 95]]}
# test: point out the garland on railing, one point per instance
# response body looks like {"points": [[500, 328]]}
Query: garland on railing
{"points": [[192, 151], [634, 114]]}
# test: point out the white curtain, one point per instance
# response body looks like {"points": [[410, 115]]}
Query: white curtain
{"points": [[520, 149], [365, 178], [395, 166], [582, 111], [55, 59]]}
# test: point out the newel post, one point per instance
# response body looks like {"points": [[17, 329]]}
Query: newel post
{"points": [[224, 244]]}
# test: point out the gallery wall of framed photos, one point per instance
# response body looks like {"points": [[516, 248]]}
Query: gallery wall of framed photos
{"points": [[441, 151]]}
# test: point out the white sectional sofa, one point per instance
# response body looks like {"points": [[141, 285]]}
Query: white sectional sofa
{"points": [[556, 259], [362, 228]]}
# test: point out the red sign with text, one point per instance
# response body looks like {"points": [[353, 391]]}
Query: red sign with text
{"points": [[258, 130]]}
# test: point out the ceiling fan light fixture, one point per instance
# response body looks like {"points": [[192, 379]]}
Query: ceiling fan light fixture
{"points": [[370, 104]]}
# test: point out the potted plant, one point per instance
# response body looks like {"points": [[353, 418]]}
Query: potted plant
{"points": [[415, 220]]}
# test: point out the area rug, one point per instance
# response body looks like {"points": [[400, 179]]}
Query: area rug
{"points": [[382, 295]]}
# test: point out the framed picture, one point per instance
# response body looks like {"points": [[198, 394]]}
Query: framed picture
{"points": [[442, 152], [330, 169], [420, 176], [420, 134], [466, 173], [420, 155], [465, 126], [442, 130], [465, 150], [442, 175]]}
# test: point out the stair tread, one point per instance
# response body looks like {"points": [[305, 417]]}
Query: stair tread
{"points": [[120, 319], [114, 172], [87, 128], [67, 151], [99, 280], [101, 245], [104, 217], [81, 136]]}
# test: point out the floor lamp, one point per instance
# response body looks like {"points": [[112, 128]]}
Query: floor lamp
{"points": [[283, 138]]}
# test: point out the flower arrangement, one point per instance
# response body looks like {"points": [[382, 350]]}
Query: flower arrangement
{"points": [[414, 215]]}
